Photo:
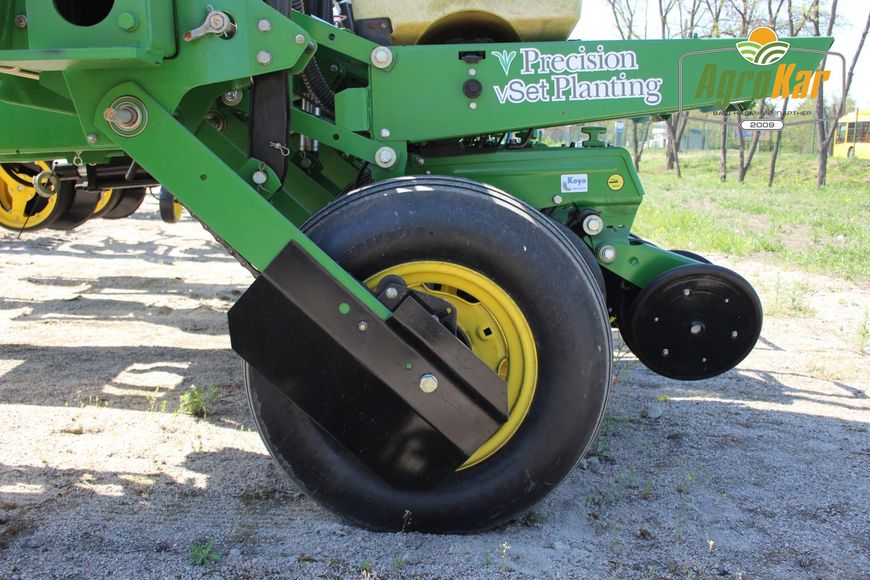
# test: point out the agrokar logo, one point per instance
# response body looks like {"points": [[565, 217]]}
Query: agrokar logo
{"points": [[763, 47]]}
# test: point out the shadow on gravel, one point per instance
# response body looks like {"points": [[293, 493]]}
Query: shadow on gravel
{"points": [[161, 250], [119, 377], [123, 298]]}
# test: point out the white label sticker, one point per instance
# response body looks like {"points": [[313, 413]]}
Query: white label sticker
{"points": [[575, 183]]}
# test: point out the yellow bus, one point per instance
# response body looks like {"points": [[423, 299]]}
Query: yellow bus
{"points": [[853, 136]]}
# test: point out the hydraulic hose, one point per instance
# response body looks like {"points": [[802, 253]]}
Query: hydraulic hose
{"points": [[312, 77]]}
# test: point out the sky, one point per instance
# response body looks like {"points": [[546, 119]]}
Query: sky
{"points": [[596, 23]]}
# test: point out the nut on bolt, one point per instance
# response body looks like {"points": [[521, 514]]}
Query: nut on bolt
{"points": [[92, 139], [21, 20], [264, 25], [607, 254], [593, 225], [264, 57], [232, 98], [382, 57], [386, 157]]}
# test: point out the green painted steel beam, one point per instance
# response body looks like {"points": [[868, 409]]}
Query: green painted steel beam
{"points": [[215, 193]]}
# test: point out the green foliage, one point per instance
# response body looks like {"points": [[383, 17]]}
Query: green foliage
{"points": [[197, 401], [818, 230], [203, 555]]}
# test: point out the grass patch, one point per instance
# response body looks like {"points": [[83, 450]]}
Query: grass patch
{"points": [[824, 230], [203, 555], [197, 401]]}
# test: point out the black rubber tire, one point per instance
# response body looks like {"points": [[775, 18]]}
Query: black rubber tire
{"points": [[130, 201], [477, 226], [80, 209], [587, 254], [167, 207]]}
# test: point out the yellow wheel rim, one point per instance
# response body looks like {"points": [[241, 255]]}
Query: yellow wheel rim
{"points": [[105, 198], [13, 200], [497, 331], [177, 210]]}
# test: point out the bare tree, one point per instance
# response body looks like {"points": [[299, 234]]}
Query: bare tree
{"points": [[624, 12], [825, 132], [796, 23]]}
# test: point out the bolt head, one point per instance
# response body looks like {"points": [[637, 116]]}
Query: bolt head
{"points": [[382, 57], [557, 199], [593, 225], [128, 22], [300, 39], [386, 157], [428, 383], [232, 98], [472, 106], [217, 20], [92, 139], [607, 254], [362, 326], [472, 71], [264, 57], [687, 292], [385, 133], [734, 334], [392, 293], [260, 177], [665, 352], [696, 328], [21, 20], [264, 25]]}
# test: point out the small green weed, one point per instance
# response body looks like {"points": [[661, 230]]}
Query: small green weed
{"points": [[197, 401], [203, 555], [790, 300], [365, 567], [532, 519], [864, 333], [646, 492]]}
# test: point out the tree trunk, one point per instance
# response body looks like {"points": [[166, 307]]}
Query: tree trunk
{"points": [[741, 149], [673, 149], [771, 174]]}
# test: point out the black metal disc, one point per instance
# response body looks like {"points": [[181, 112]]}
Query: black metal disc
{"points": [[695, 322], [130, 200], [80, 210]]}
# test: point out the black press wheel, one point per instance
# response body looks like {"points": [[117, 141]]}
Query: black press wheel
{"points": [[80, 210], [694, 322], [531, 309]]}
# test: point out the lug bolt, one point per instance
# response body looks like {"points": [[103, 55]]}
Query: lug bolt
{"points": [[392, 293], [593, 225], [428, 383], [264, 57], [665, 352], [687, 292], [607, 254], [264, 25]]}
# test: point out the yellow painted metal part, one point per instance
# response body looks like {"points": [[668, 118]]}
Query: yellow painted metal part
{"points": [[419, 21], [13, 199], [105, 198], [497, 331]]}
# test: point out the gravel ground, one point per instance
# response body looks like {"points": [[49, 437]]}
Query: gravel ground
{"points": [[763, 472]]}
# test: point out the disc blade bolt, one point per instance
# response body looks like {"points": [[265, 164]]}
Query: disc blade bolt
{"points": [[665, 352], [733, 334], [687, 292], [428, 383]]}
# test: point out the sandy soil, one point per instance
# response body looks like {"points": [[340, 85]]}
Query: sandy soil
{"points": [[763, 472]]}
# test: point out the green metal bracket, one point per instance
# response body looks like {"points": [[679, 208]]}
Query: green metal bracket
{"points": [[215, 193]]}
